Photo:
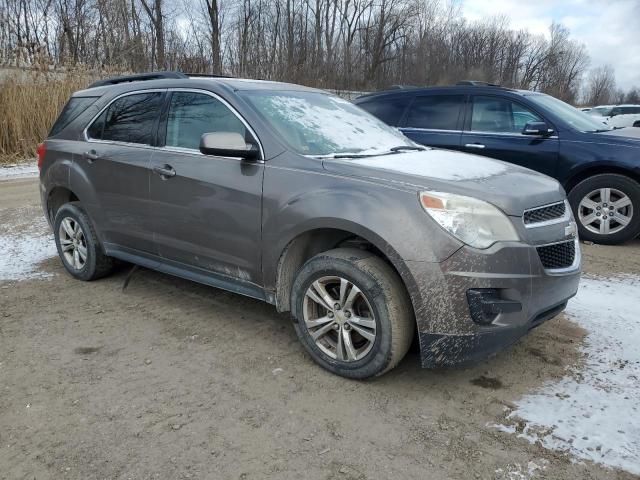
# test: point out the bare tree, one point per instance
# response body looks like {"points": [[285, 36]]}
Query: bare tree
{"points": [[601, 86]]}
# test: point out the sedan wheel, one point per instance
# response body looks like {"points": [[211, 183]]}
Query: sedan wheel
{"points": [[73, 243], [605, 211], [339, 318]]}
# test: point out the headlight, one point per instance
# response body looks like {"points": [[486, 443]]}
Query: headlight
{"points": [[472, 221]]}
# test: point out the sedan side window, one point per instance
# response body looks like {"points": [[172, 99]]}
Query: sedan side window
{"points": [[437, 112], [193, 114], [493, 114], [129, 119]]}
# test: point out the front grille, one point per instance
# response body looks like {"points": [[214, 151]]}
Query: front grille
{"points": [[558, 255], [544, 214]]}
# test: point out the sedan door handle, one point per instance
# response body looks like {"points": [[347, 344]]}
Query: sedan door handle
{"points": [[165, 172], [474, 145], [91, 156]]}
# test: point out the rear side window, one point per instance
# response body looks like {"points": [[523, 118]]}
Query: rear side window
{"points": [[438, 112], [193, 114], [74, 107], [389, 110], [129, 119]]}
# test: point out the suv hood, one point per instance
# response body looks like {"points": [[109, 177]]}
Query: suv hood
{"points": [[627, 135], [511, 188]]}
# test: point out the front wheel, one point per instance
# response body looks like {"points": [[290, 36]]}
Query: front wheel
{"points": [[607, 208], [352, 312]]}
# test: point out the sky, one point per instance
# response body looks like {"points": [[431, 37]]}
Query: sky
{"points": [[610, 29]]}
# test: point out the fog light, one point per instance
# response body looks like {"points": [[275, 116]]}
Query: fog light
{"points": [[485, 304]]}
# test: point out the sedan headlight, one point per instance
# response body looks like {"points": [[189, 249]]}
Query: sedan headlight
{"points": [[472, 221]]}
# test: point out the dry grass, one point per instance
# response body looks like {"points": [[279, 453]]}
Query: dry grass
{"points": [[30, 102]]}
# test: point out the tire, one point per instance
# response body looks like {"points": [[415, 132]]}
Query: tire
{"points": [[589, 216], [636, 124], [95, 263], [381, 306]]}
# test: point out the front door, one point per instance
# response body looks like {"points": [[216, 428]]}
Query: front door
{"points": [[206, 210], [495, 130]]}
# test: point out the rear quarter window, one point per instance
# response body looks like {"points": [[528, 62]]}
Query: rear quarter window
{"points": [[74, 107], [389, 110]]}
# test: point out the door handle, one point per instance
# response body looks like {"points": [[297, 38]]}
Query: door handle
{"points": [[474, 145], [91, 156], [165, 172]]}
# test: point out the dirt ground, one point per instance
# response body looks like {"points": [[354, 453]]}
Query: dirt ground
{"points": [[172, 380]]}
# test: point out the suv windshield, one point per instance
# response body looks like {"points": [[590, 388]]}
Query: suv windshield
{"points": [[576, 118], [317, 124]]}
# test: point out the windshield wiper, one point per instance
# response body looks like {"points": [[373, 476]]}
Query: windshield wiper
{"points": [[353, 155], [401, 148]]}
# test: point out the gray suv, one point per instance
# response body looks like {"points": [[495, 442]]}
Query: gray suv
{"points": [[296, 197]]}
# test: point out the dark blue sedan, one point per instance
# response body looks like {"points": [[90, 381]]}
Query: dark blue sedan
{"points": [[598, 167]]}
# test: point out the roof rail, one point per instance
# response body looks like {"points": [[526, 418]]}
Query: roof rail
{"points": [[477, 83], [137, 78], [210, 75]]}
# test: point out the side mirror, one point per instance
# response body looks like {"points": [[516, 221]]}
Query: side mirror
{"points": [[537, 128], [228, 144]]}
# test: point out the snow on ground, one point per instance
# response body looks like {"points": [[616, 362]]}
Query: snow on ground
{"points": [[592, 413], [23, 249], [19, 170]]}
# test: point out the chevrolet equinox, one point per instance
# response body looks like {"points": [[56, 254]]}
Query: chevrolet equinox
{"points": [[298, 198]]}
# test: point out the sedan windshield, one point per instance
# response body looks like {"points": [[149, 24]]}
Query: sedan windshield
{"points": [[577, 119], [317, 124]]}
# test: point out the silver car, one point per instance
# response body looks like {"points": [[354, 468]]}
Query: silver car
{"points": [[296, 197]]}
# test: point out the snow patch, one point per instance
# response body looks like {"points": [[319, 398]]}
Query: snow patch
{"points": [[24, 249], [19, 170], [592, 412], [439, 164]]}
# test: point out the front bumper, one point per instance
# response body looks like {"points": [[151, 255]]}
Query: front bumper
{"points": [[447, 331]]}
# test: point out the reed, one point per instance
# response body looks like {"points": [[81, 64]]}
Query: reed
{"points": [[30, 101]]}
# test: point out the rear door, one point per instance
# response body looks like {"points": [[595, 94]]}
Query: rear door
{"points": [[494, 129], [435, 120], [116, 162], [207, 212]]}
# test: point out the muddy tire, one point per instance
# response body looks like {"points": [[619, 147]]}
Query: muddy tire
{"points": [[78, 246], [352, 313]]}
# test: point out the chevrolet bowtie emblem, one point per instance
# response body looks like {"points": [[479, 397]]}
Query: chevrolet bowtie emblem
{"points": [[571, 230]]}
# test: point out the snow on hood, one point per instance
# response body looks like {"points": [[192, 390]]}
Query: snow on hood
{"points": [[510, 187], [445, 165]]}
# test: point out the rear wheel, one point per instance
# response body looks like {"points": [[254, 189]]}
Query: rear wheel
{"points": [[352, 313], [607, 208], [78, 245]]}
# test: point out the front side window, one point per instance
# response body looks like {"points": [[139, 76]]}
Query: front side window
{"points": [[438, 112], [193, 114], [129, 119], [317, 124], [494, 114]]}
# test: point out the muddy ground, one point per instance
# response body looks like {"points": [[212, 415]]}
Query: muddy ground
{"points": [[173, 380]]}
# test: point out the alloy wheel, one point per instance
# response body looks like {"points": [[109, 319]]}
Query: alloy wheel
{"points": [[73, 243], [605, 211], [339, 319]]}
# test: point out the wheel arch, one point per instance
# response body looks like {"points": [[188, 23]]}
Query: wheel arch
{"points": [[581, 175], [56, 198], [312, 241]]}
